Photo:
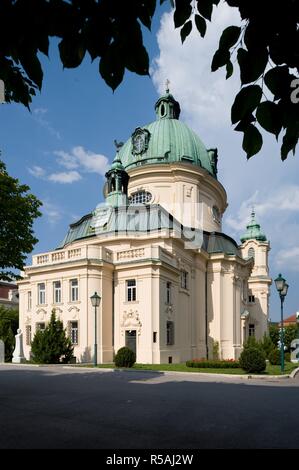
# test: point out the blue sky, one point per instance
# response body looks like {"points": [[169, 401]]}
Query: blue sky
{"points": [[62, 148]]}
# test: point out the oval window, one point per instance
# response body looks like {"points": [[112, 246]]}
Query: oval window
{"points": [[142, 197]]}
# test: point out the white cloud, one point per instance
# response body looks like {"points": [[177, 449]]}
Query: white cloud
{"points": [[52, 212], [39, 116], [84, 159], [207, 97], [37, 171], [65, 177], [288, 259], [275, 204]]}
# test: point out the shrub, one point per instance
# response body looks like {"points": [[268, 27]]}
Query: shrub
{"points": [[205, 364], [125, 357], [252, 360], [267, 345], [52, 346], [274, 357], [9, 323], [287, 357]]}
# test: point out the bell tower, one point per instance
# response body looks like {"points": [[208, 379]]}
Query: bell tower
{"points": [[256, 247], [116, 187]]}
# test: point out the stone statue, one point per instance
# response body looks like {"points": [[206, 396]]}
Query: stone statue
{"points": [[2, 352], [18, 354]]}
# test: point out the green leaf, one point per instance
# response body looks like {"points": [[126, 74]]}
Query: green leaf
{"points": [[111, 67], [33, 68], [186, 30], [245, 102], [182, 12], [269, 117], [252, 64], [201, 25], [72, 51], [252, 141], [229, 37], [229, 69], [290, 140], [205, 8], [221, 57], [278, 81]]}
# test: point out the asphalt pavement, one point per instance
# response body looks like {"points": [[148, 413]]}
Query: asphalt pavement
{"points": [[77, 408]]}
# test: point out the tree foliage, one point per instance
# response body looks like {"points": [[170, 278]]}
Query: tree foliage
{"points": [[9, 323], [265, 46], [18, 209], [51, 345]]}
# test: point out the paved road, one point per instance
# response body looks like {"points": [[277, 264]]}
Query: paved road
{"points": [[80, 408]]}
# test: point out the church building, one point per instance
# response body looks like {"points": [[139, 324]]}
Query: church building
{"points": [[173, 286]]}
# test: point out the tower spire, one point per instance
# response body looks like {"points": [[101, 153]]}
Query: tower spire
{"points": [[167, 83]]}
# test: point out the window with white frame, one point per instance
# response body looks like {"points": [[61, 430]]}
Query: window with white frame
{"points": [[74, 290], [41, 293], [131, 290], [168, 293], [29, 300], [251, 329], [170, 333], [184, 280], [57, 292], [74, 332], [28, 335]]}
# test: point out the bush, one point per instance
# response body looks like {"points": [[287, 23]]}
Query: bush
{"points": [[125, 357], [267, 345], [274, 357], [205, 364], [9, 323], [252, 360], [52, 346]]}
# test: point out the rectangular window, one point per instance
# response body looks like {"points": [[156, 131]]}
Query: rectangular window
{"points": [[29, 300], [131, 290], [41, 289], [170, 333], [57, 292], [28, 335], [184, 280], [251, 299], [168, 293], [251, 329], [40, 326], [154, 337], [74, 332], [74, 290]]}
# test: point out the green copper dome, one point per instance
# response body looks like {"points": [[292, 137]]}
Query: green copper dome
{"points": [[253, 231], [167, 140]]}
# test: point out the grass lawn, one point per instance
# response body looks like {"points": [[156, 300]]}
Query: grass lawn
{"points": [[270, 370]]}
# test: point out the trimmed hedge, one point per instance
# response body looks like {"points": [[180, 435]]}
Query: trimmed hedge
{"points": [[125, 357], [252, 360], [205, 364]]}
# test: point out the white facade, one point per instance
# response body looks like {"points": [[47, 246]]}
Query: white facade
{"points": [[166, 298]]}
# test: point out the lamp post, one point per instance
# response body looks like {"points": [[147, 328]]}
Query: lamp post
{"points": [[95, 302], [282, 289]]}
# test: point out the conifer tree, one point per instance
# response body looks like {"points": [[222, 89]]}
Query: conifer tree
{"points": [[52, 346]]}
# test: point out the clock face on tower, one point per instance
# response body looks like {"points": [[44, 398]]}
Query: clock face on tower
{"points": [[140, 139]]}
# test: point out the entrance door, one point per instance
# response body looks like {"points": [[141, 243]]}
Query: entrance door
{"points": [[131, 340]]}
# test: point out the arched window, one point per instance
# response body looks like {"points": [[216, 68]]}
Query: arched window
{"points": [[142, 197], [251, 253]]}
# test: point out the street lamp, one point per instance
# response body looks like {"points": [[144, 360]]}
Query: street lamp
{"points": [[282, 289], [95, 302]]}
